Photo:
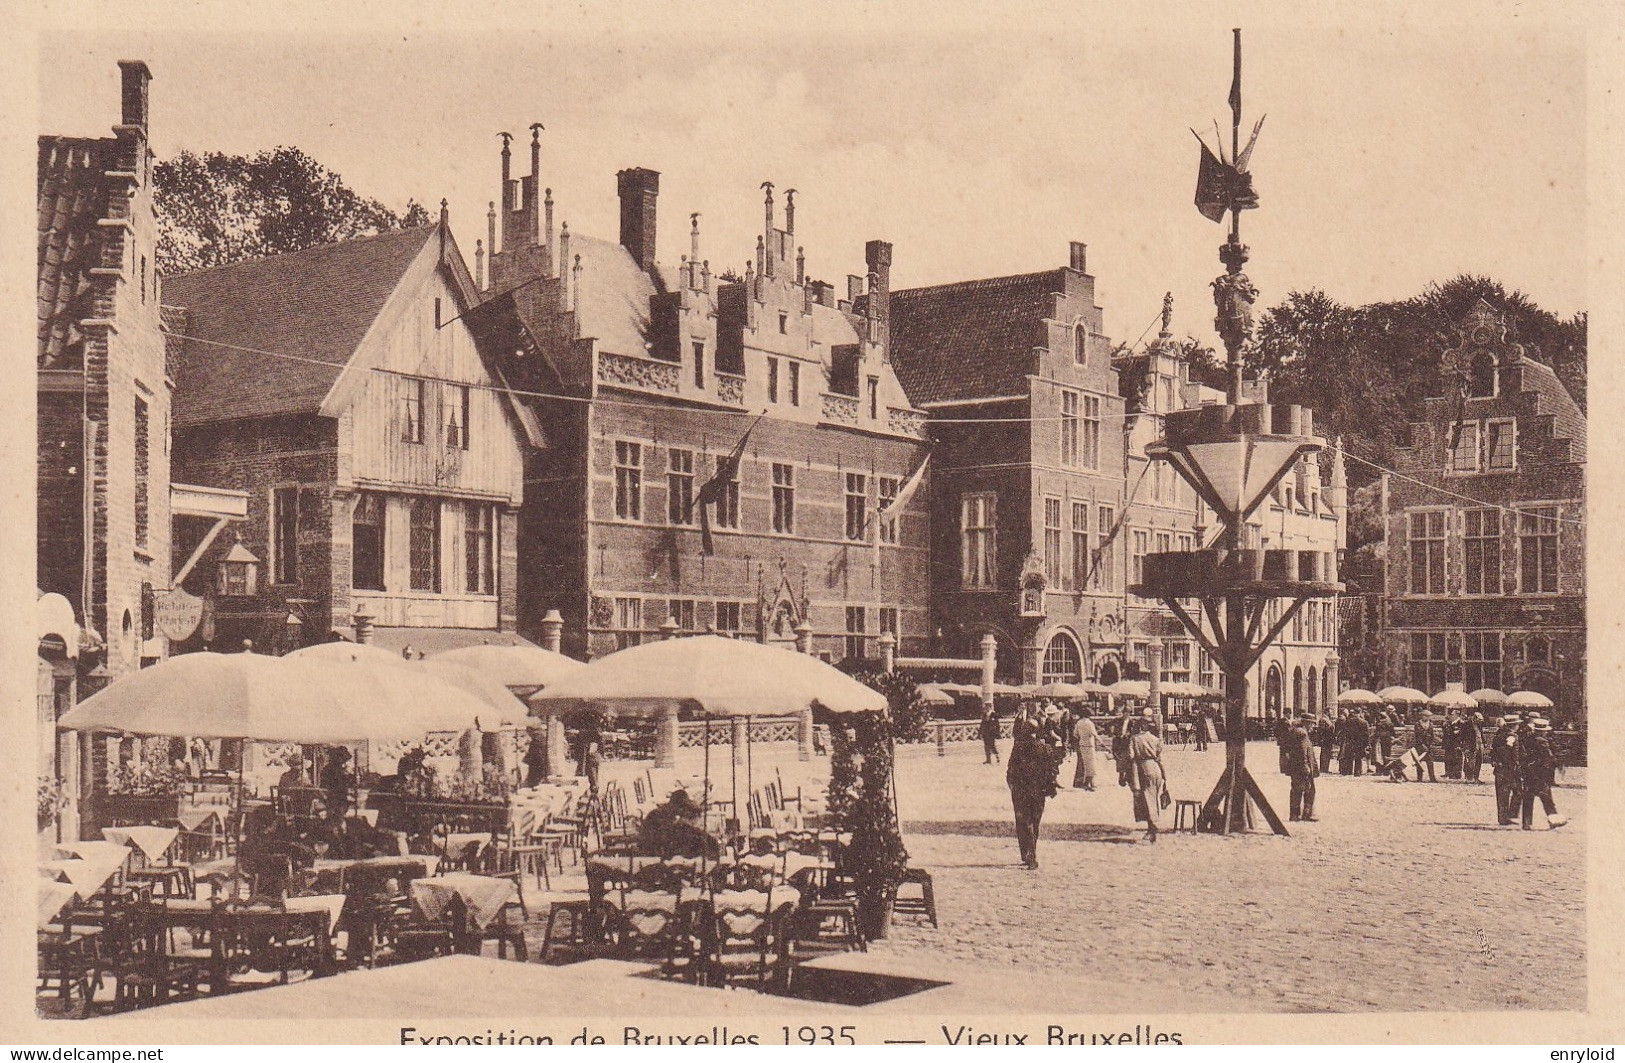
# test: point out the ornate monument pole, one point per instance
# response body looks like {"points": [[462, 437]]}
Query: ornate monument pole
{"points": [[1233, 456]]}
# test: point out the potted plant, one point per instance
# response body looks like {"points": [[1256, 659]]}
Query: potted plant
{"points": [[145, 791], [53, 798], [860, 803]]}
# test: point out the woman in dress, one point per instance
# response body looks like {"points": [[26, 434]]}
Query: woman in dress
{"points": [[1146, 776]]}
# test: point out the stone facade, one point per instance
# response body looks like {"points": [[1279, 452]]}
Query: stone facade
{"points": [[1485, 581], [647, 378]]}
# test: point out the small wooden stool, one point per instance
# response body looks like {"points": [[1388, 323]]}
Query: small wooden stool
{"points": [[925, 903], [1195, 810]]}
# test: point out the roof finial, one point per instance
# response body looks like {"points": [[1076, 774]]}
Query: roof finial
{"points": [[1167, 314], [445, 212]]}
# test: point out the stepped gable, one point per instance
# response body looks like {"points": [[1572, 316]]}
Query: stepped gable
{"points": [[314, 306], [992, 325], [73, 189]]}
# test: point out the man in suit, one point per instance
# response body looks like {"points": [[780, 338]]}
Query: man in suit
{"points": [[1325, 736], [1359, 740], [1036, 751], [1504, 759], [1382, 736], [1298, 758], [1452, 745], [1472, 746], [1537, 767], [1423, 736], [1345, 750]]}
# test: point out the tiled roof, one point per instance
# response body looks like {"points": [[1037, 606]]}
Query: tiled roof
{"points": [[314, 306], [973, 339], [72, 197], [613, 303]]}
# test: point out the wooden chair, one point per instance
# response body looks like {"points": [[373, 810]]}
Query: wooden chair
{"points": [[657, 930], [256, 945], [70, 963], [747, 943], [146, 971]]}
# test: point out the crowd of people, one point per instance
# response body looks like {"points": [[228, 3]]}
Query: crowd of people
{"points": [[1517, 747]]}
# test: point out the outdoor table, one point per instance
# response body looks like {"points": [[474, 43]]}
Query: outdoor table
{"points": [[484, 896], [425, 861], [153, 842], [194, 817], [485, 988], [458, 841], [87, 876], [53, 897], [112, 852], [332, 904]]}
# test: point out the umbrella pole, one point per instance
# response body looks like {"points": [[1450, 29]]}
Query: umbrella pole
{"points": [[733, 773]]}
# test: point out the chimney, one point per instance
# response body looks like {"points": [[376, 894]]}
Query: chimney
{"points": [[854, 288], [638, 189], [765, 247], [693, 278], [547, 221], [136, 80], [878, 255], [564, 256], [1080, 257], [533, 216], [491, 233], [507, 178], [801, 265]]}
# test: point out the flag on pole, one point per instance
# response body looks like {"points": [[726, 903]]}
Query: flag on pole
{"points": [[1212, 188], [1235, 85], [715, 490], [890, 509]]}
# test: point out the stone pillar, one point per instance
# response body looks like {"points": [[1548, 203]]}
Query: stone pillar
{"points": [[1332, 689], [804, 719], [557, 761], [740, 736], [1153, 658], [469, 763], [888, 652], [804, 637], [552, 630], [990, 661], [363, 627], [666, 731]]}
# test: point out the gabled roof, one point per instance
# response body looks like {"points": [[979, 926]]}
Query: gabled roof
{"points": [[1569, 421], [312, 306], [613, 302], [72, 198], [973, 339]]}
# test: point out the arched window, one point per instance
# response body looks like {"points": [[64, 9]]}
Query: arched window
{"points": [[1080, 344], [1481, 376], [1313, 691], [1108, 674], [1272, 692], [1297, 690], [1061, 660]]}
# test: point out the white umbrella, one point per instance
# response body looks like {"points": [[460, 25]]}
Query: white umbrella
{"points": [[1060, 690], [1529, 699], [526, 667], [1453, 697], [1358, 696], [505, 709], [1488, 696], [348, 652], [712, 676], [1130, 688], [279, 699], [932, 694], [1402, 695]]}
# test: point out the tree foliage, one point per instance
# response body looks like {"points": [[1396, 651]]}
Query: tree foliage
{"points": [[214, 209], [1367, 369]]}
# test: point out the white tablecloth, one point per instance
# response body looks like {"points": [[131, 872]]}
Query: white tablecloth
{"points": [[53, 897], [484, 896], [332, 904], [87, 876], [153, 842], [97, 851]]}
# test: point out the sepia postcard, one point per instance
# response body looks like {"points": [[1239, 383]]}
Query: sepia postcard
{"points": [[875, 523]]}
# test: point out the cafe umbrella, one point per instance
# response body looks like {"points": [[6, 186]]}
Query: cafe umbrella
{"points": [[711, 677]]}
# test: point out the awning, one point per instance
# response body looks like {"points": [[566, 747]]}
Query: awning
{"points": [[433, 640]]}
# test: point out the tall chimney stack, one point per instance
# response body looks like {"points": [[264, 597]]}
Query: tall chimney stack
{"points": [[1080, 257], [491, 235], [638, 189], [693, 278], [136, 81], [547, 221], [877, 253], [507, 178], [769, 237], [533, 216]]}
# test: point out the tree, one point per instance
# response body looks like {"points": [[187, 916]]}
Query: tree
{"points": [[214, 209]]}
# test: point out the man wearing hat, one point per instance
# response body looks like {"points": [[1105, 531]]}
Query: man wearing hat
{"points": [[1298, 758], [1537, 766], [1423, 736], [1472, 745], [673, 829], [1504, 759], [1036, 751]]}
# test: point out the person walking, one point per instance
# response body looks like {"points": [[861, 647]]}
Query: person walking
{"points": [[1036, 750], [1299, 754], [1504, 761], [1146, 777], [1537, 767], [1345, 742], [1120, 737], [1359, 741], [1472, 746], [1423, 735], [1452, 745], [1325, 736], [989, 730], [1201, 729], [1382, 735], [1083, 738]]}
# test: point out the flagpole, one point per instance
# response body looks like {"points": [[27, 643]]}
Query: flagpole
{"points": [[1235, 133]]}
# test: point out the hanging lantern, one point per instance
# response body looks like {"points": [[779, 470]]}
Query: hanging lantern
{"points": [[237, 574]]}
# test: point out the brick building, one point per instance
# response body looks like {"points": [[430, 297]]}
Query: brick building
{"points": [[1044, 503], [1484, 530], [381, 456], [648, 377]]}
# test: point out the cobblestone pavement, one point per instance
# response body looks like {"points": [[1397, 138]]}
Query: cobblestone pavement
{"points": [[1402, 897]]}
